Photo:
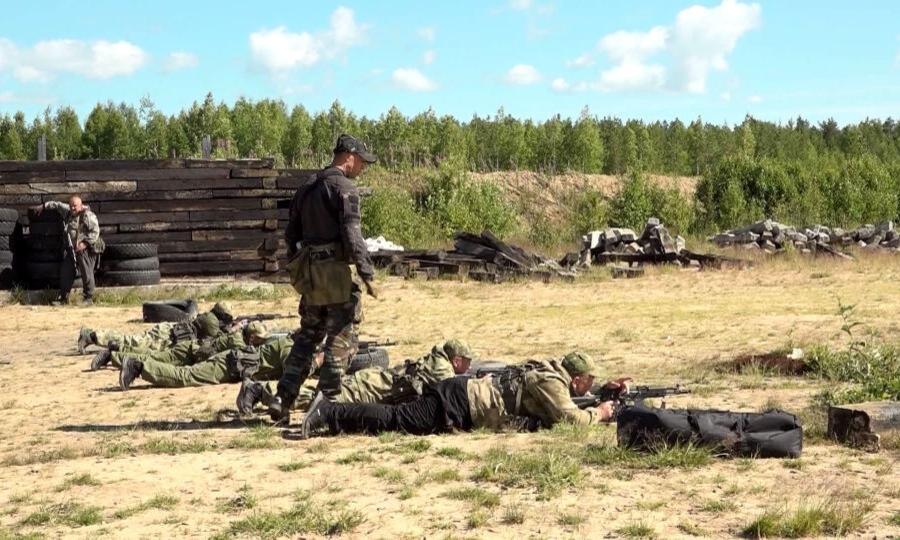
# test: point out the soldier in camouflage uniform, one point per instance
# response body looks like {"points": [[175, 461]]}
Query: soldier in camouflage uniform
{"points": [[183, 353], [323, 239], [264, 358], [84, 232], [161, 336], [377, 385], [535, 393]]}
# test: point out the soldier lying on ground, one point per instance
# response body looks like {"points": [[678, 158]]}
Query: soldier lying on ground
{"points": [[161, 335], [537, 394], [376, 385], [183, 353], [264, 357]]}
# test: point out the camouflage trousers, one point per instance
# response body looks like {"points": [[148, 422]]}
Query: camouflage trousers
{"points": [[218, 369], [157, 338], [332, 326], [180, 354], [370, 385]]}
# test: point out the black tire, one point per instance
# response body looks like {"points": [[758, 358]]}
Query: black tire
{"points": [[6, 258], [8, 214], [45, 243], [45, 255], [130, 251], [170, 311], [371, 358], [6, 227], [46, 229], [130, 265], [48, 215], [40, 270], [138, 277], [4, 242]]}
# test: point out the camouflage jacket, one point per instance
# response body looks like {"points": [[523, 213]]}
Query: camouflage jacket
{"points": [[432, 368], [83, 227], [544, 395]]}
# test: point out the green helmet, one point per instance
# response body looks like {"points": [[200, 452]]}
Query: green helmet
{"points": [[455, 347], [223, 311], [579, 363], [256, 329]]}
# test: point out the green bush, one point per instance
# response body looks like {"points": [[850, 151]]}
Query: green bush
{"points": [[588, 211], [633, 204], [392, 212], [454, 203]]}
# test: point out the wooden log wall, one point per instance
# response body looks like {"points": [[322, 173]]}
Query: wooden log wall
{"points": [[206, 216]]}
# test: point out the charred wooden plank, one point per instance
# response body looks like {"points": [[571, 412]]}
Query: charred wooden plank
{"points": [[232, 215], [200, 183], [261, 163], [50, 189], [253, 173], [143, 217], [210, 267], [210, 245], [145, 237], [229, 234], [148, 174], [91, 164], [864, 424], [193, 225], [180, 205]]}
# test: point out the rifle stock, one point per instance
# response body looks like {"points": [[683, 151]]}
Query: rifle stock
{"points": [[635, 395]]}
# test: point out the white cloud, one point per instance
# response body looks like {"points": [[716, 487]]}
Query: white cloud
{"points": [[427, 33], [703, 37], [725, 96], [523, 75], [520, 5], [633, 75], [412, 79], [180, 60], [94, 60], [621, 45], [755, 99], [7, 97], [698, 42], [560, 85], [583, 61], [428, 57], [280, 51]]}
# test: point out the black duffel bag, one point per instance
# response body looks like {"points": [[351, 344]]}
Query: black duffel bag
{"points": [[771, 434]]}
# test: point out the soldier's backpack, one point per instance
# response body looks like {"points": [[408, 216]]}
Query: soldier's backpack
{"points": [[770, 434]]}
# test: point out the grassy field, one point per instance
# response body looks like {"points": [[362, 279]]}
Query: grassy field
{"points": [[79, 458]]}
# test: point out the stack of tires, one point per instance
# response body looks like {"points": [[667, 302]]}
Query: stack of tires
{"points": [[8, 218], [44, 244], [124, 265]]}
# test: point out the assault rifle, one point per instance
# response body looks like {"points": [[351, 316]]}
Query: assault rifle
{"points": [[243, 319], [364, 345], [636, 394]]}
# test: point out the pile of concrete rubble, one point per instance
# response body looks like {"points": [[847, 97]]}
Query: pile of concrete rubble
{"points": [[655, 245], [772, 237]]}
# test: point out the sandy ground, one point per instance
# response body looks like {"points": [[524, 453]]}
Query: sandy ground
{"points": [[61, 422]]}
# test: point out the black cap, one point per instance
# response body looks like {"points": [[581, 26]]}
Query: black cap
{"points": [[348, 143]]}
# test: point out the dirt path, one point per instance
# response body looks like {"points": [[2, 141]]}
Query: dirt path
{"points": [[167, 463]]}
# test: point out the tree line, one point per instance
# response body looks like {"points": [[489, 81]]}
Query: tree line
{"points": [[300, 138]]}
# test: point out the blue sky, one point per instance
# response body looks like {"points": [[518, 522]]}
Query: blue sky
{"points": [[649, 59]]}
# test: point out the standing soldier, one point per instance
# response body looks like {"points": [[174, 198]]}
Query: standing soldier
{"points": [[323, 239], [84, 232]]}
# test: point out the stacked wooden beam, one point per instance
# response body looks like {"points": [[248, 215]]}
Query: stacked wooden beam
{"points": [[481, 257], [207, 216]]}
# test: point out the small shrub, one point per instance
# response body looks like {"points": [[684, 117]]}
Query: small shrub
{"points": [[513, 515], [570, 520], [303, 518], [547, 471], [825, 518], [477, 496], [637, 530]]}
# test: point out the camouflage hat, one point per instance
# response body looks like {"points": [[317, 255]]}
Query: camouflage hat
{"points": [[223, 311], [455, 347], [256, 329], [579, 363]]}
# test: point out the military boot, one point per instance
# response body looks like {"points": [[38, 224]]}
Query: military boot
{"points": [[86, 338], [280, 410], [249, 395], [101, 359], [113, 345], [315, 421], [131, 370]]}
